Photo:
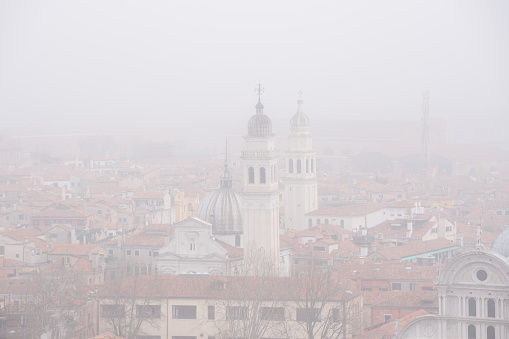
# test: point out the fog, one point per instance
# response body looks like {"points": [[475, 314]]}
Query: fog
{"points": [[174, 69]]}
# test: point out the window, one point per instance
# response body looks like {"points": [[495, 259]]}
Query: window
{"points": [[471, 332], [236, 312], [272, 313], [336, 315], [366, 288], [308, 314], [491, 308], [472, 308], [183, 312], [237, 240], [448, 229], [2, 249], [296, 261], [396, 287], [251, 175], [148, 311], [155, 253], [137, 253], [290, 166], [326, 221], [310, 223], [481, 275], [319, 248], [387, 317], [490, 332], [413, 286], [128, 252], [307, 165], [342, 223], [318, 222], [299, 166], [312, 165], [212, 312], [112, 311], [263, 178]]}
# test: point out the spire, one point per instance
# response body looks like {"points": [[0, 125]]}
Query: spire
{"points": [[259, 90], [300, 119], [226, 177]]}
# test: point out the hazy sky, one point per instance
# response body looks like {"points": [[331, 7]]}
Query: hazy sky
{"points": [[106, 65]]}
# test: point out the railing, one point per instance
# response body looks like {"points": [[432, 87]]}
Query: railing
{"points": [[258, 154]]}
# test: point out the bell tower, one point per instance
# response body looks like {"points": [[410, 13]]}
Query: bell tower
{"points": [[261, 190], [301, 194]]}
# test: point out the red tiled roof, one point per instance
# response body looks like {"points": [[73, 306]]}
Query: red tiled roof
{"points": [[78, 250], [416, 299], [149, 195], [202, 287], [415, 248], [351, 210], [388, 330]]}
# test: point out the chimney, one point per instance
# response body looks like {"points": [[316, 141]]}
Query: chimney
{"points": [[409, 228]]}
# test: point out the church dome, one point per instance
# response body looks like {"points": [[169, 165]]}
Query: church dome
{"points": [[259, 125], [501, 244], [300, 119], [223, 207]]}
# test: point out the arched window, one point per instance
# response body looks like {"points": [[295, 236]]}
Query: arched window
{"points": [[290, 166], [318, 222], [262, 175], [471, 332], [312, 165], [490, 332], [251, 175], [299, 166], [472, 307], [237, 240], [491, 308], [310, 223], [326, 221], [307, 165]]}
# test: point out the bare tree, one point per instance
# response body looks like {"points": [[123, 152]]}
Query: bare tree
{"points": [[47, 304], [129, 304], [252, 305], [323, 308]]}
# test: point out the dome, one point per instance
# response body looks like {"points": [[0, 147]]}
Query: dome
{"points": [[501, 244], [222, 207], [300, 119], [259, 125]]}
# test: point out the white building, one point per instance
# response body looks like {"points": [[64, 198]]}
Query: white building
{"points": [[300, 181], [473, 292], [261, 190]]}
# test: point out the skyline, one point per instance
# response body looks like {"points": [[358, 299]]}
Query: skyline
{"points": [[127, 67]]}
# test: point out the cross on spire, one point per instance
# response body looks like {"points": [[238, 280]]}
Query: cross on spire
{"points": [[300, 94], [259, 89], [226, 154]]}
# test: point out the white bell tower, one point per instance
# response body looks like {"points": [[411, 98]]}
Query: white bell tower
{"points": [[301, 194], [261, 190]]}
